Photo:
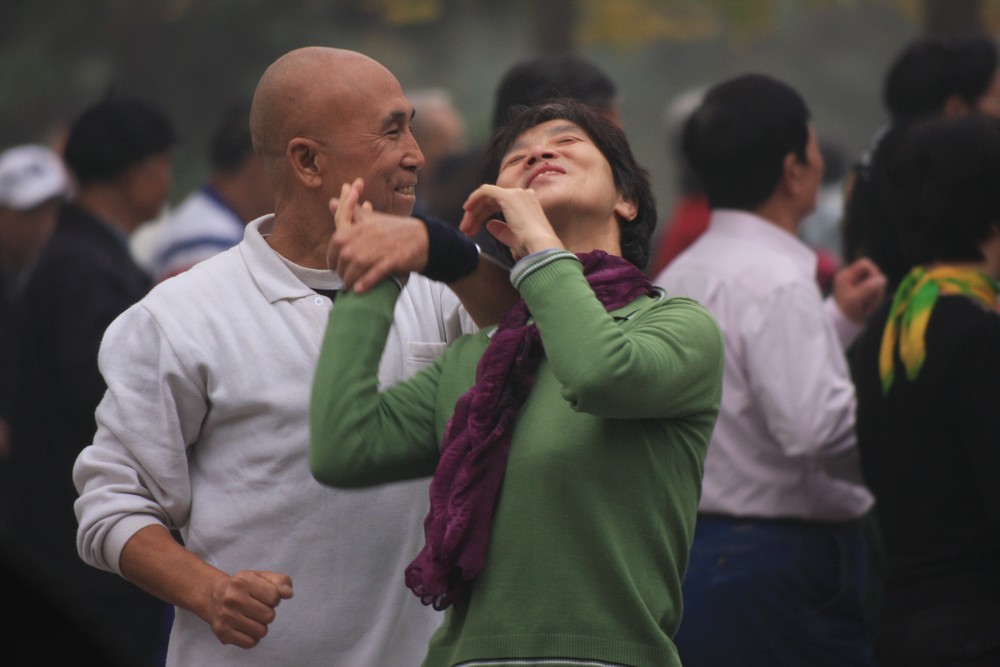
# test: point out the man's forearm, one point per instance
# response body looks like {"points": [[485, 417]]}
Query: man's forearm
{"points": [[154, 561], [486, 293]]}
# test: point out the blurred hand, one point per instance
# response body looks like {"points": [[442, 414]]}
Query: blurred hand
{"points": [[244, 604], [368, 246], [859, 289]]}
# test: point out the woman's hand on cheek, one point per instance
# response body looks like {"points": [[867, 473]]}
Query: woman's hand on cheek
{"points": [[525, 228]]}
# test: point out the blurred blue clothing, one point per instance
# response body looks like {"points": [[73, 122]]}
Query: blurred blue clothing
{"points": [[780, 593]]}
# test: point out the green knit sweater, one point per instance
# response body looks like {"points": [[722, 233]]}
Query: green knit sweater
{"points": [[591, 535]]}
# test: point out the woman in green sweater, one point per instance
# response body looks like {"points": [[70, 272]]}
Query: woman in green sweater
{"points": [[566, 444]]}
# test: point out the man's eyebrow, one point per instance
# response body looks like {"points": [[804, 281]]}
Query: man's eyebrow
{"points": [[555, 129], [395, 117]]}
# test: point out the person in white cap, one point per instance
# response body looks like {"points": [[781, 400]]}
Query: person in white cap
{"points": [[33, 182]]}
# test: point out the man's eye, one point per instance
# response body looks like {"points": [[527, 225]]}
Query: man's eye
{"points": [[514, 160]]}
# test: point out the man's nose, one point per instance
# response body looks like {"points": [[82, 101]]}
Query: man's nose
{"points": [[413, 157]]}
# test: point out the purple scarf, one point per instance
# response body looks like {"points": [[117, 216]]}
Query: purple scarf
{"points": [[466, 484]]}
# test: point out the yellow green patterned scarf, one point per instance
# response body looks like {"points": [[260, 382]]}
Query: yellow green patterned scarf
{"points": [[911, 310]]}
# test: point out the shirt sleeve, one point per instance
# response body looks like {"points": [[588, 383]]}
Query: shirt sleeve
{"points": [[664, 362], [135, 473], [359, 436], [798, 373], [847, 329]]}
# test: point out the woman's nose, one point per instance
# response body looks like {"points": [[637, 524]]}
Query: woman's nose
{"points": [[540, 153]]}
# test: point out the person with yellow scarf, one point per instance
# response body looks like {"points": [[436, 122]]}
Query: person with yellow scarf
{"points": [[927, 371]]}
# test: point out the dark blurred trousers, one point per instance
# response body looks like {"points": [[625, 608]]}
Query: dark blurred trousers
{"points": [[775, 593], [957, 635]]}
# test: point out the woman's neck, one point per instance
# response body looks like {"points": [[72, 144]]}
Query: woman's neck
{"points": [[578, 235]]}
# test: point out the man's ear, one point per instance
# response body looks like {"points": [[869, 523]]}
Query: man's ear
{"points": [[303, 159], [791, 173], [954, 106]]}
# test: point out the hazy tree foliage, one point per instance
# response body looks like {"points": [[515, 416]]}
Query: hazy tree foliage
{"points": [[195, 57]]}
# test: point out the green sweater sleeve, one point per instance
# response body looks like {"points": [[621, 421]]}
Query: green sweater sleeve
{"points": [[359, 436], [663, 362]]}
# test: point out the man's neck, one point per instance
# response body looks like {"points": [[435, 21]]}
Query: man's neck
{"points": [[300, 242], [780, 216], [106, 203]]}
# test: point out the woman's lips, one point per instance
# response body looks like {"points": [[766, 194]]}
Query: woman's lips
{"points": [[544, 169]]}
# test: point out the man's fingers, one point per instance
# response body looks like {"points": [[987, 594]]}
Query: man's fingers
{"points": [[281, 582], [246, 605], [242, 631], [859, 270]]}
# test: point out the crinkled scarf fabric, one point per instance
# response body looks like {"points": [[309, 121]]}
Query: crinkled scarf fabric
{"points": [[911, 310]]}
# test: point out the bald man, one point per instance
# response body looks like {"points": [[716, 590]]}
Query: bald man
{"points": [[203, 432]]}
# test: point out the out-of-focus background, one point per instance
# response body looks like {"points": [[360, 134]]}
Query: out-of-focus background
{"points": [[195, 57]]}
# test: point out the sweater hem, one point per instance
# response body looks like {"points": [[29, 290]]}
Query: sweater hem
{"points": [[552, 651]]}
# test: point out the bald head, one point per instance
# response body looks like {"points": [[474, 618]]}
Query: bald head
{"points": [[299, 93], [323, 117]]}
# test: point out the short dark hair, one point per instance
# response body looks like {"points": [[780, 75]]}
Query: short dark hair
{"points": [[941, 187], [931, 69], [231, 144], [551, 77], [737, 139], [112, 135], [631, 179]]}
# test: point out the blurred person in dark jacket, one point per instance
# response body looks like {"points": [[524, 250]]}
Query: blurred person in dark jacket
{"points": [[33, 182], [118, 152]]}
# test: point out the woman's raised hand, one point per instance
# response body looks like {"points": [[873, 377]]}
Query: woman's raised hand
{"points": [[524, 229]]}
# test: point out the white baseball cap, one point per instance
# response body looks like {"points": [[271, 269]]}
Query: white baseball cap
{"points": [[30, 175]]}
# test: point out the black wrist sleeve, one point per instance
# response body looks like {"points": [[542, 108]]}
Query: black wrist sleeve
{"points": [[450, 254]]}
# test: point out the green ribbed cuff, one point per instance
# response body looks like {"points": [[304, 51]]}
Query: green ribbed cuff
{"points": [[536, 261]]}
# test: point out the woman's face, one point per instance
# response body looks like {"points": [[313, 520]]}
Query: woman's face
{"points": [[559, 161]]}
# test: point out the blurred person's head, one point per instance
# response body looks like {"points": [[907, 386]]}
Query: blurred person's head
{"points": [[943, 75], [675, 115], [942, 186], [453, 178], [119, 152], [751, 138], [33, 183], [438, 125], [550, 77], [627, 179], [322, 117], [236, 171]]}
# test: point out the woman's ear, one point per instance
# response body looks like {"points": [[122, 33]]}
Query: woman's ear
{"points": [[303, 158], [626, 210]]}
